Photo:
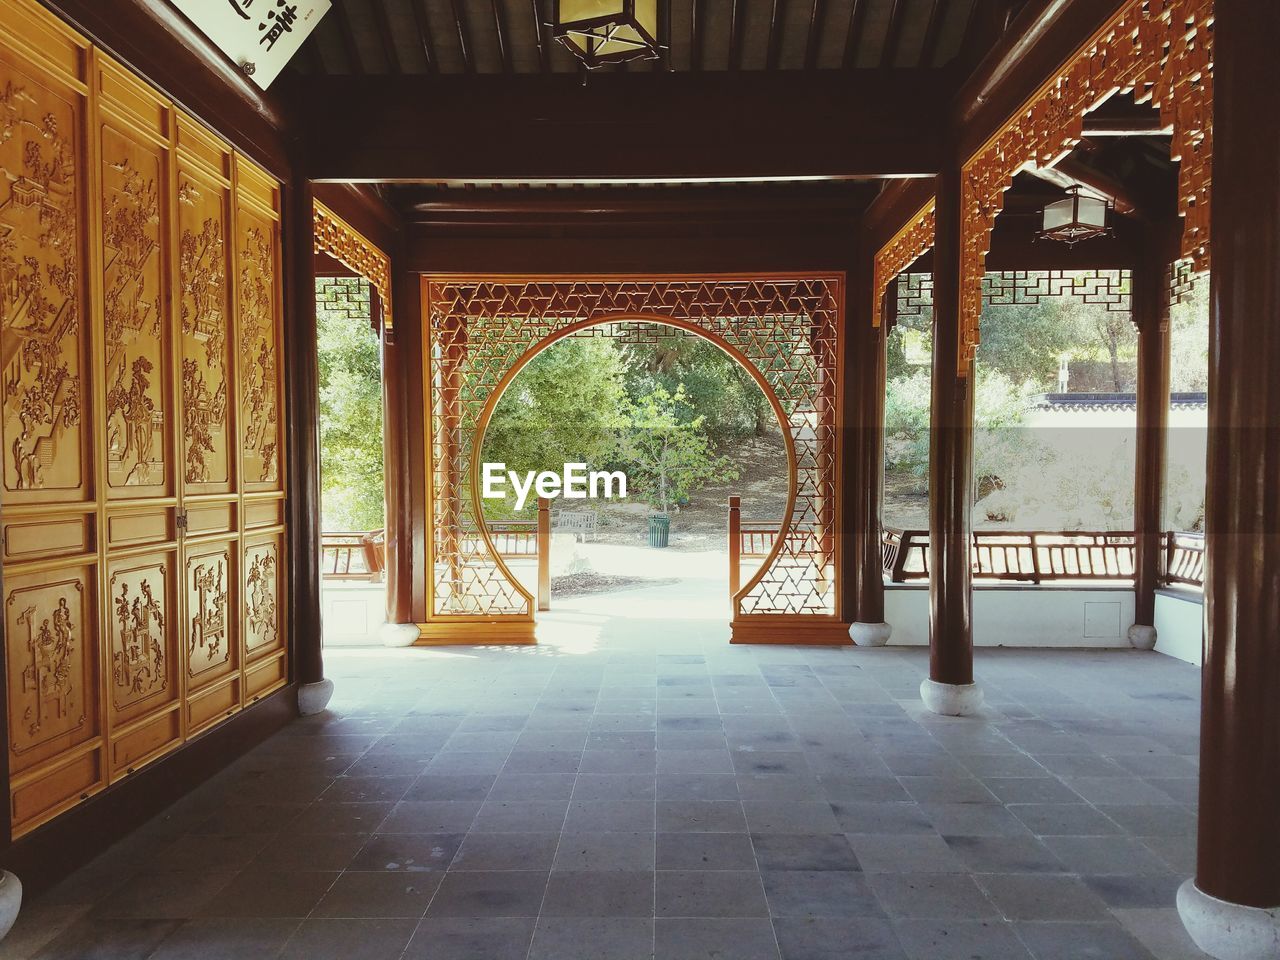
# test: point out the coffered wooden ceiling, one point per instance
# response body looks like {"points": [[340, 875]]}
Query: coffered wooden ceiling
{"points": [[512, 36]]}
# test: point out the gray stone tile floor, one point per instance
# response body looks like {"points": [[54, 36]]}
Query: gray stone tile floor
{"points": [[678, 801]]}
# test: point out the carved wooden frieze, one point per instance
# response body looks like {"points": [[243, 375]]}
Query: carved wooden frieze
{"points": [[139, 630], [204, 310], [49, 645], [209, 628], [259, 352], [1161, 50], [134, 314], [261, 598], [40, 289], [907, 246], [337, 238]]}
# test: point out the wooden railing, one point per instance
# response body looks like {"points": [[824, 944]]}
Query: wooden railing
{"points": [[352, 555], [1040, 556], [748, 540], [1184, 558]]}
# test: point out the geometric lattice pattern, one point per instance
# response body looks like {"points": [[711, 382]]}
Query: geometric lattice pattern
{"points": [[1005, 288], [787, 327]]}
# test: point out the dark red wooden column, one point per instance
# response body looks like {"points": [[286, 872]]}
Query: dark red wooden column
{"points": [[1151, 317], [1233, 908], [303, 438], [950, 688], [864, 379]]}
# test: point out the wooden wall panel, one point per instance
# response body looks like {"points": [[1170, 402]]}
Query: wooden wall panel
{"points": [[140, 421]]}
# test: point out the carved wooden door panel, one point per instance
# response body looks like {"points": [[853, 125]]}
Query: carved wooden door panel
{"points": [[140, 421], [135, 380], [51, 526]]}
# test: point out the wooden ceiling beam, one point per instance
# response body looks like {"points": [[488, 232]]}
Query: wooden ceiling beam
{"points": [[853, 38], [541, 36], [348, 39], [811, 41], [775, 37], [465, 47], [383, 22], [440, 205], [932, 35], [424, 34], [893, 37], [623, 127], [695, 35], [503, 51]]}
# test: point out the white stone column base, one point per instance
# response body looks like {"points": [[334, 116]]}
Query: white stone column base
{"points": [[1229, 931], [951, 699], [1142, 637], [314, 697], [398, 634], [870, 634], [10, 901]]}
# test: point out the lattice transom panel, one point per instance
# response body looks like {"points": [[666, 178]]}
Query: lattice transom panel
{"points": [[786, 327]]}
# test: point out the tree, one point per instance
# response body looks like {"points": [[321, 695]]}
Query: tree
{"points": [[568, 405], [351, 464], [668, 457]]}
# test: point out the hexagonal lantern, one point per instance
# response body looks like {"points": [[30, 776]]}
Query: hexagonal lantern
{"points": [[600, 32]]}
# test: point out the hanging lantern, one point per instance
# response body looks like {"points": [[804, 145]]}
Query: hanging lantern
{"points": [[608, 31], [1075, 218]]}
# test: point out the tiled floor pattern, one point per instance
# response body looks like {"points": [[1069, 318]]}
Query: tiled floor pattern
{"points": [[779, 803]]}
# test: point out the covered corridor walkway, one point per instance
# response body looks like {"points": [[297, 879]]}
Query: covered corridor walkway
{"points": [[671, 796]]}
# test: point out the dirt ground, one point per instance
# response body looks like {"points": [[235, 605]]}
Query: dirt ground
{"points": [[702, 523]]}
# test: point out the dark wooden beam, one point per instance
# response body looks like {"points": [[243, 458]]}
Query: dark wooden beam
{"points": [[687, 204], [467, 63], [385, 36], [932, 33], [348, 35], [775, 37], [1043, 34], [622, 127], [735, 34], [894, 34], [695, 35], [424, 34], [503, 52], [540, 35], [812, 40], [857, 16]]}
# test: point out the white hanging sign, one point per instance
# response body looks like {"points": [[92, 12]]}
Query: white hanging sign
{"points": [[259, 35]]}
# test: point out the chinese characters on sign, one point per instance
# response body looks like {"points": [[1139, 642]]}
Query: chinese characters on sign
{"points": [[259, 35]]}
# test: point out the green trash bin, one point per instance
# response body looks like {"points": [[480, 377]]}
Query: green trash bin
{"points": [[659, 529]]}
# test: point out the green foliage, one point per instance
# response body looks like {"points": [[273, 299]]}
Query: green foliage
{"points": [[998, 409], [667, 453], [715, 384], [351, 480], [568, 405]]}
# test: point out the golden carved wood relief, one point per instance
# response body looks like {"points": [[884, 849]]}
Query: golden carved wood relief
{"points": [[907, 246], [337, 238], [202, 280], [1161, 50], [259, 349], [49, 638], [140, 631], [41, 302], [210, 635], [125, 267], [134, 315], [262, 630]]}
